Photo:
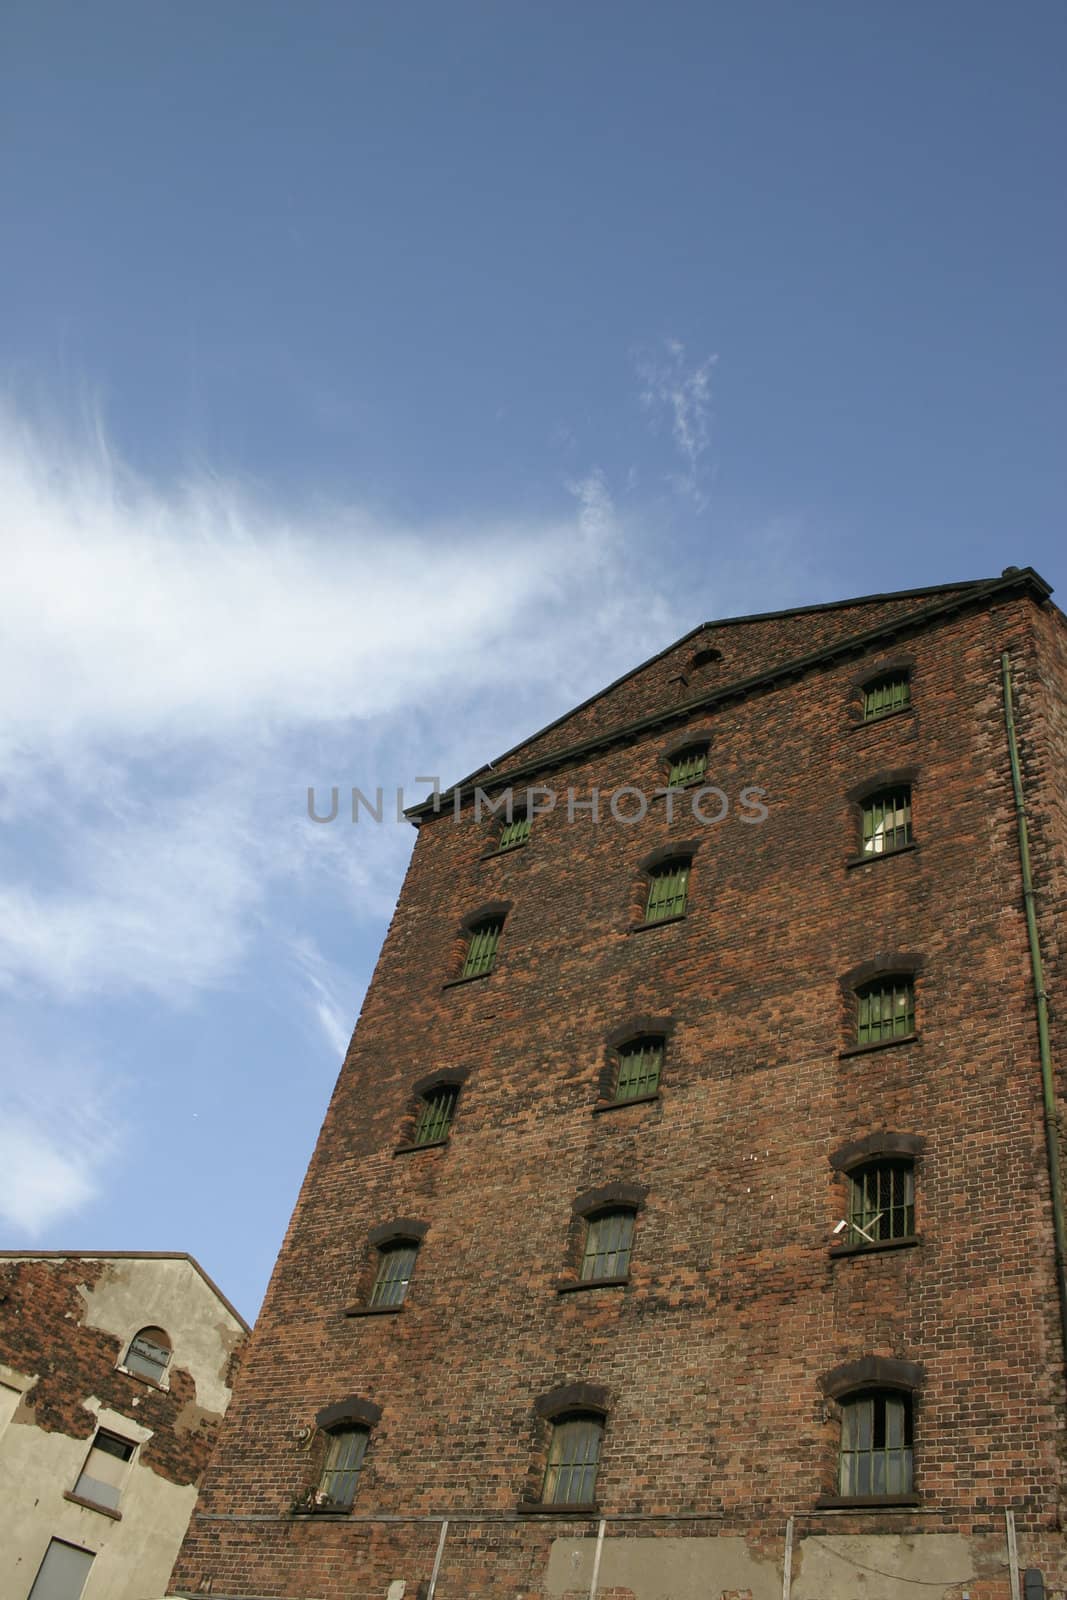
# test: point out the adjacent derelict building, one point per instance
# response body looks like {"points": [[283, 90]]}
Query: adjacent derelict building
{"points": [[687, 1220]]}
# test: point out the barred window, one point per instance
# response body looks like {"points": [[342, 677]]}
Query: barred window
{"points": [[344, 1460], [570, 1478], [688, 765], [395, 1266], [436, 1110], [640, 1065], [481, 947], [881, 1202], [886, 1010], [668, 888], [517, 831], [876, 1444], [608, 1239], [883, 695], [887, 821]]}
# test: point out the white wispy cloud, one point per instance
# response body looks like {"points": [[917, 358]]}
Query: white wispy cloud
{"points": [[679, 391], [178, 662]]}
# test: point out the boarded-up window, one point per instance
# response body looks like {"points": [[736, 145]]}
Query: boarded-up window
{"points": [[62, 1573], [105, 1471]]}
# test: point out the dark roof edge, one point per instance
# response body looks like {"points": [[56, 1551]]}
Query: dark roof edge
{"points": [[127, 1255], [702, 627], [1025, 578]]}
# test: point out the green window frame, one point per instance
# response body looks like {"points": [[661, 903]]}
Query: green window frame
{"points": [[513, 833], [668, 891], [640, 1067], [437, 1107], [876, 1445], [881, 1201], [573, 1461], [342, 1467], [883, 695], [396, 1264], [482, 943], [608, 1242], [885, 1010], [887, 821], [688, 765]]}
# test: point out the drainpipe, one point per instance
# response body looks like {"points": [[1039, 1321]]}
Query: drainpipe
{"points": [[1052, 1149]]}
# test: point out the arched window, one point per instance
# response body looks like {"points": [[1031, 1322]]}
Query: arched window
{"points": [[608, 1241], [890, 691], [340, 1472], [396, 1263], [640, 1065], [437, 1107], [688, 765], [573, 1459], [482, 940], [668, 889], [885, 1009], [876, 1444], [886, 820], [881, 1201], [149, 1354]]}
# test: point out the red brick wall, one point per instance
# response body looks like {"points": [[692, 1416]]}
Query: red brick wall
{"points": [[41, 1331], [712, 1353]]}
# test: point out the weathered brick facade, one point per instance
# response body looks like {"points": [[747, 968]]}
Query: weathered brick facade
{"points": [[718, 1362]]}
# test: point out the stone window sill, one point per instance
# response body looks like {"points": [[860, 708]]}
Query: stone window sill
{"points": [[575, 1285], [334, 1512], [472, 977], [92, 1505], [865, 723], [863, 1249], [881, 855], [139, 1377], [508, 849], [878, 1044], [373, 1311], [870, 1502], [620, 1105], [410, 1149], [535, 1508], [664, 922]]}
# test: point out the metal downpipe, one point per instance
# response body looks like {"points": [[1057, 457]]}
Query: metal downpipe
{"points": [[1052, 1148]]}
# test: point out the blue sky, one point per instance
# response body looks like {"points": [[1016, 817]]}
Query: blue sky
{"points": [[377, 381]]}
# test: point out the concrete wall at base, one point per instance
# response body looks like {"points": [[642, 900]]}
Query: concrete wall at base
{"points": [[825, 1567]]}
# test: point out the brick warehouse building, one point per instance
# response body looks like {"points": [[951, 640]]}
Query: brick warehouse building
{"points": [[684, 1222]]}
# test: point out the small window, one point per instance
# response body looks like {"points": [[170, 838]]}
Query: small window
{"points": [[668, 888], [436, 1110], [640, 1065], [608, 1239], [513, 833], [62, 1573], [708, 657], [106, 1467], [876, 1444], [881, 1202], [688, 766], [886, 1010], [395, 1266], [344, 1460], [481, 947], [570, 1479], [891, 693], [887, 821], [149, 1354]]}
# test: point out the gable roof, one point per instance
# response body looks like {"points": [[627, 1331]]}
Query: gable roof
{"points": [[127, 1255], [943, 600]]}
